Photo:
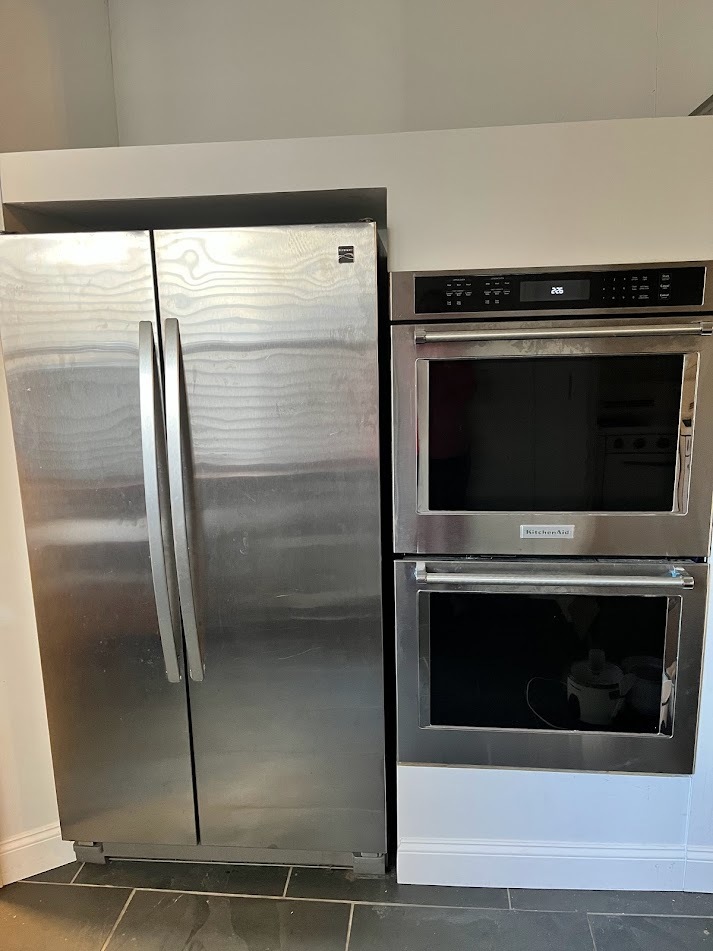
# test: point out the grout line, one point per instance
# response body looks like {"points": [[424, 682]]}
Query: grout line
{"points": [[287, 882], [349, 927], [328, 901], [591, 933], [645, 914], [76, 874], [509, 899], [116, 923], [379, 904]]}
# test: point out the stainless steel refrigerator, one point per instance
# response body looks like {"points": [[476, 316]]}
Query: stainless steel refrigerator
{"points": [[196, 426]]}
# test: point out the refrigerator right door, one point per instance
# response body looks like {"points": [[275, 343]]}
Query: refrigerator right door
{"points": [[272, 415]]}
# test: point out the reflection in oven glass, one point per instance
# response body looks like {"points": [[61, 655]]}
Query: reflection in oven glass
{"points": [[567, 434], [543, 662]]}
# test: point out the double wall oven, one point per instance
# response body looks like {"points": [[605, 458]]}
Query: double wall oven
{"points": [[553, 478]]}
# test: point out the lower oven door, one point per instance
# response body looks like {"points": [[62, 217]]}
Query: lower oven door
{"points": [[549, 665]]}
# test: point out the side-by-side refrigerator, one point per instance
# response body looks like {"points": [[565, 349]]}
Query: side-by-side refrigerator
{"points": [[196, 425]]}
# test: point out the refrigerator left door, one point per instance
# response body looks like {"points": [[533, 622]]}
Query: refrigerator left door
{"points": [[88, 427]]}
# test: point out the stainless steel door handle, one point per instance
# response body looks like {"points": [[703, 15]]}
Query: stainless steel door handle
{"points": [[151, 444], [175, 438], [681, 579], [422, 335]]}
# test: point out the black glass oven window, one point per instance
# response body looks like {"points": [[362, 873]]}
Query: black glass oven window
{"points": [[542, 662], [571, 434]]}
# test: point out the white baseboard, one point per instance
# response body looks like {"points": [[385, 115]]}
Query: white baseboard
{"points": [[699, 870], [502, 864], [33, 852]]}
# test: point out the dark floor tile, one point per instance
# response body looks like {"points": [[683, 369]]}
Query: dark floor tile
{"points": [[189, 877], [615, 903], [380, 928], [49, 917], [652, 934], [339, 883], [156, 921], [62, 875]]}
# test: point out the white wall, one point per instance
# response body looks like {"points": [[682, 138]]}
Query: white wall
{"points": [[517, 196], [56, 86], [220, 70], [530, 829], [29, 824]]}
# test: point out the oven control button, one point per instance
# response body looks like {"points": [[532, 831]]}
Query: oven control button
{"points": [[664, 295], [665, 276]]}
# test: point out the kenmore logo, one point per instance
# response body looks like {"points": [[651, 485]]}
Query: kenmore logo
{"points": [[547, 531]]}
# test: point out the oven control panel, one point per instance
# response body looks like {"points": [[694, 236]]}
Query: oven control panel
{"points": [[566, 290]]}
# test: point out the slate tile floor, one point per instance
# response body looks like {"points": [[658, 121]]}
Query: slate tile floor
{"points": [[174, 906]]}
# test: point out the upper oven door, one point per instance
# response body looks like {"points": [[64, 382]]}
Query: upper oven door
{"points": [[553, 438]]}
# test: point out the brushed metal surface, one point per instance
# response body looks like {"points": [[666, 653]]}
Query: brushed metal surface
{"points": [[233, 855], [420, 742], [279, 356], [70, 307], [683, 532]]}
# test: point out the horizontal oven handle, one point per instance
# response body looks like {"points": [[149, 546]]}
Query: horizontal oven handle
{"points": [[677, 579], [549, 333]]}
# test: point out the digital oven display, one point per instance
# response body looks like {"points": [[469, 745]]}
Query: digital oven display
{"points": [[540, 291]]}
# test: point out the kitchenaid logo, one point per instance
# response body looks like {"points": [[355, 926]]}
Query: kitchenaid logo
{"points": [[547, 531]]}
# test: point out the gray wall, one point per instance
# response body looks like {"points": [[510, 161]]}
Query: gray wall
{"points": [[187, 71], [56, 88], [223, 69]]}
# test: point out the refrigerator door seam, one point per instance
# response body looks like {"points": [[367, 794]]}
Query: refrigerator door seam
{"points": [[179, 519]]}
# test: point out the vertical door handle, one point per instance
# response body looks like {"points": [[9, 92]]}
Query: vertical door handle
{"points": [[152, 442], [176, 438]]}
